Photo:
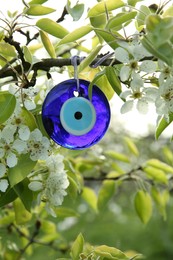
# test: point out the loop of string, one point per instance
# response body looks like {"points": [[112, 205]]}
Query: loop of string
{"points": [[74, 61]]}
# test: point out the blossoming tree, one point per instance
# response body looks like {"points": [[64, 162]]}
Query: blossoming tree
{"points": [[123, 47]]}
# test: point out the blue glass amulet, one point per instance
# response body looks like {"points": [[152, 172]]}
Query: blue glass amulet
{"points": [[71, 119]]}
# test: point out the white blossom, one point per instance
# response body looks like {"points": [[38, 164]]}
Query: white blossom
{"points": [[165, 72], [11, 146], [164, 100], [56, 185], [8, 132], [131, 57], [24, 132], [25, 96], [55, 163], [137, 95], [38, 145], [11, 159], [52, 189]]}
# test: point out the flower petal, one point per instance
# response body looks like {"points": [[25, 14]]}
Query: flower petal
{"points": [[35, 186], [11, 160], [24, 132], [148, 66], [124, 73], [19, 145], [121, 55], [127, 106], [36, 135], [125, 94], [136, 83], [3, 185], [8, 133], [142, 106], [29, 104]]}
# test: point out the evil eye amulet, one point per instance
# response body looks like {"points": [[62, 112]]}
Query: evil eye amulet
{"points": [[71, 119]]}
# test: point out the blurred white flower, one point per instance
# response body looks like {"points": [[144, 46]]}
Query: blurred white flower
{"points": [[55, 187], [138, 95], [38, 145], [55, 163]]}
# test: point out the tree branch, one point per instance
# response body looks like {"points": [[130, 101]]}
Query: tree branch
{"points": [[47, 64]]}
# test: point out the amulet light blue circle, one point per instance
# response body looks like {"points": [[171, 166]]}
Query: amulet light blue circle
{"points": [[81, 124]]}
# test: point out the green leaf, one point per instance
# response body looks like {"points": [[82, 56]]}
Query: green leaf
{"points": [[7, 219], [28, 119], [168, 155], [24, 193], [108, 37], [40, 125], [134, 2], [77, 247], [98, 21], [152, 21], [168, 12], [162, 125], [37, 2], [117, 156], [101, 7], [131, 145], [52, 27], [156, 174], [7, 197], [105, 86], [107, 253], [161, 199], [63, 212], [22, 216], [39, 10], [159, 165], [7, 50], [88, 60], [96, 77], [7, 105], [143, 205], [47, 44], [159, 35], [76, 34], [90, 197], [120, 19], [73, 188], [48, 227], [27, 54], [113, 79], [19, 172], [76, 12], [144, 11], [106, 192], [150, 46]]}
